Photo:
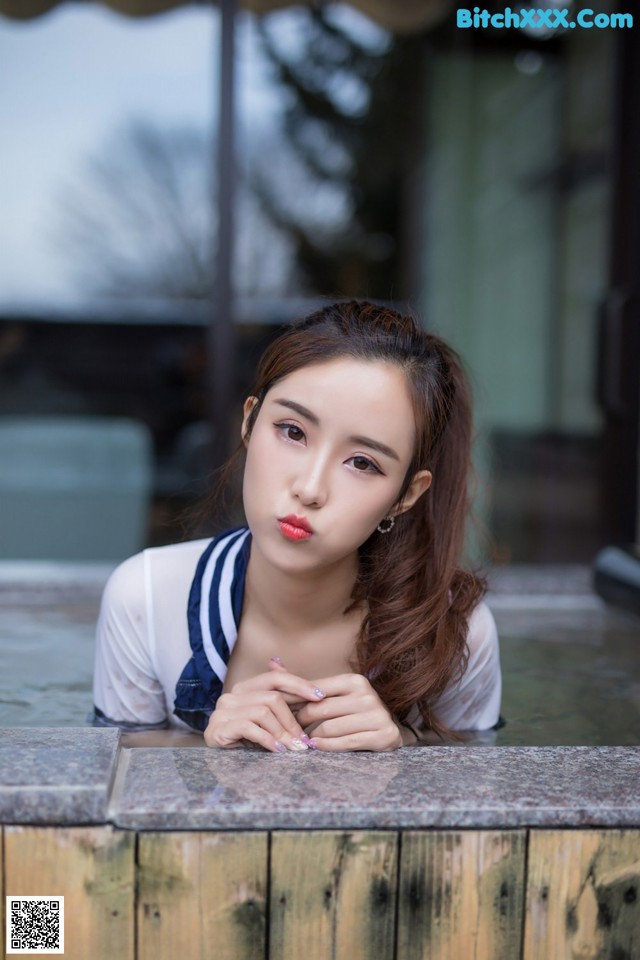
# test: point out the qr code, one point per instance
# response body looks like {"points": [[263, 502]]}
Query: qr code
{"points": [[35, 925]]}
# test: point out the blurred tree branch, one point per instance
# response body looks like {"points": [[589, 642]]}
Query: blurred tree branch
{"points": [[354, 116], [141, 221]]}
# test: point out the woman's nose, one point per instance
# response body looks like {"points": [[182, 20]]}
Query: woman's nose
{"points": [[310, 484]]}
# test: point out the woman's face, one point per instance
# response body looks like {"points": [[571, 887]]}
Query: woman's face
{"points": [[326, 461]]}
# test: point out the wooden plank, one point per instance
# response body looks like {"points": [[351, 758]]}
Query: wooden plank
{"points": [[202, 895], [461, 895], [93, 868], [333, 895], [583, 895]]}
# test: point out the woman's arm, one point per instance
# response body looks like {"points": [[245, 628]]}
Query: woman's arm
{"points": [[126, 691], [473, 701]]}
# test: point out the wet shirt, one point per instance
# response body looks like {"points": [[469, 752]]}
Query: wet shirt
{"points": [[143, 647]]}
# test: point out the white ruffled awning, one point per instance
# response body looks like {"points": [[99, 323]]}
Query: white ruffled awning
{"points": [[399, 16]]}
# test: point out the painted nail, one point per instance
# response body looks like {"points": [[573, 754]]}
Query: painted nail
{"points": [[276, 660], [298, 745], [312, 745], [318, 692], [280, 747], [305, 738]]}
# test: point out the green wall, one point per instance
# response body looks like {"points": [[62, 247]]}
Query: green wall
{"points": [[515, 245]]}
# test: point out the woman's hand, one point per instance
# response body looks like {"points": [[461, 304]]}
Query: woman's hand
{"points": [[351, 716], [259, 710]]}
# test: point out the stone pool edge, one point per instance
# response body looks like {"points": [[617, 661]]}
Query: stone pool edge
{"points": [[84, 776]]}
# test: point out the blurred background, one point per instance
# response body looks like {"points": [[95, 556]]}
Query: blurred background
{"points": [[177, 184]]}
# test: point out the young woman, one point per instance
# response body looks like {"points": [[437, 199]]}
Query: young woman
{"points": [[339, 618]]}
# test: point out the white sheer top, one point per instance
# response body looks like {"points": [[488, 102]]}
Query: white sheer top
{"points": [[142, 646]]}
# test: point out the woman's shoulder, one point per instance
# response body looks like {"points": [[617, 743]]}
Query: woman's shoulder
{"points": [[482, 633], [483, 646], [178, 554], [150, 570], [472, 701]]}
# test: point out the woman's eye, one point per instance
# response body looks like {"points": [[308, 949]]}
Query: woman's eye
{"points": [[362, 465], [291, 431]]}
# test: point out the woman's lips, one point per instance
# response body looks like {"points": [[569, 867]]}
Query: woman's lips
{"points": [[295, 528]]}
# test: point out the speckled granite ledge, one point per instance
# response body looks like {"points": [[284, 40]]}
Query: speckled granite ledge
{"points": [[83, 775], [416, 787], [56, 775]]}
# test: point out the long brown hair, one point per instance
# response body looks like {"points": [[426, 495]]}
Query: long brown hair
{"points": [[418, 599]]}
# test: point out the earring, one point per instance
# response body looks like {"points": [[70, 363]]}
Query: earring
{"points": [[389, 523]]}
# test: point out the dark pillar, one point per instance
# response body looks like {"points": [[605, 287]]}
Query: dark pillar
{"points": [[221, 367], [619, 361]]}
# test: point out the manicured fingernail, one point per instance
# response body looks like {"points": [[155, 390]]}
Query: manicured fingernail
{"points": [[280, 747], [318, 692], [305, 738], [276, 660], [312, 745], [298, 745]]}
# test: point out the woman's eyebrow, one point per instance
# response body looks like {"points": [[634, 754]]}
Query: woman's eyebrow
{"points": [[298, 408], [361, 441], [375, 445]]}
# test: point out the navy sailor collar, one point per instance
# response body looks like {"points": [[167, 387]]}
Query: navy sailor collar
{"points": [[213, 614]]}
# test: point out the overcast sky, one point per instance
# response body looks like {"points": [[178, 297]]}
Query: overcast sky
{"points": [[70, 79], [67, 80]]}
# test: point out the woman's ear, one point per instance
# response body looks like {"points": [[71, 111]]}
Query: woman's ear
{"points": [[419, 484], [247, 410]]}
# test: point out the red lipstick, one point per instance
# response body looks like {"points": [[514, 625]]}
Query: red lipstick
{"points": [[295, 528]]}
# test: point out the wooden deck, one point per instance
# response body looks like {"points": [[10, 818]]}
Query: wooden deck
{"points": [[340, 895]]}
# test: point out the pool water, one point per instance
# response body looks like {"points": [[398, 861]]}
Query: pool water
{"points": [[46, 665], [570, 677], [571, 666]]}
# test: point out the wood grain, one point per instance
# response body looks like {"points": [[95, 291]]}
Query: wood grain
{"points": [[583, 895], [461, 895], [93, 868], [202, 895], [333, 895]]}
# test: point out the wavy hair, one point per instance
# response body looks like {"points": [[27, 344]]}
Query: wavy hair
{"points": [[412, 642]]}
